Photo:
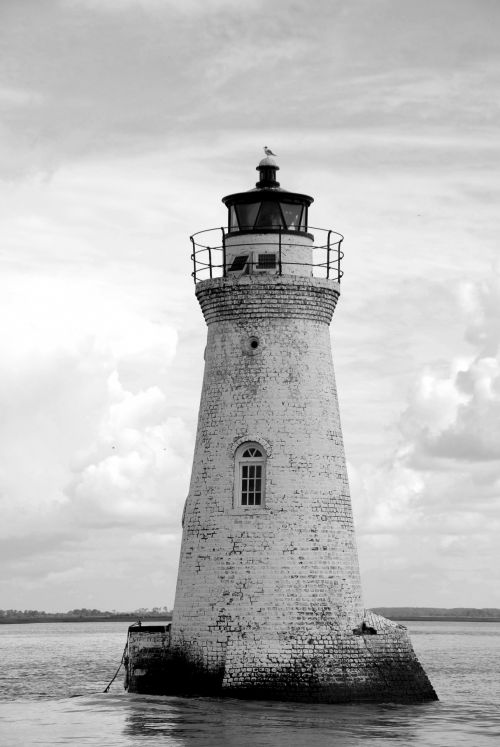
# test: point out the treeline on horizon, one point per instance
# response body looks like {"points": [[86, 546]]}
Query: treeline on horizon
{"points": [[401, 613], [408, 613], [85, 612]]}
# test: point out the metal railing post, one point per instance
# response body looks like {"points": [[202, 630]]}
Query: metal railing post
{"points": [[193, 257], [279, 253], [328, 250], [338, 260], [210, 260], [223, 253]]}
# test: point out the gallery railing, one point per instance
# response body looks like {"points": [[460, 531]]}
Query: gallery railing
{"points": [[210, 261]]}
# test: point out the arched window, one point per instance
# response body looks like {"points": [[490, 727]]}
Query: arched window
{"points": [[250, 475]]}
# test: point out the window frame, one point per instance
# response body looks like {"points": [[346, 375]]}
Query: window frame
{"points": [[239, 462]]}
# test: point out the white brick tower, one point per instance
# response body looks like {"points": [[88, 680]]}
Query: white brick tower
{"points": [[268, 600]]}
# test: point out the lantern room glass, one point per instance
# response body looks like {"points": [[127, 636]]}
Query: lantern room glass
{"points": [[233, 220], [292, 215], [268, 215], [247, 213]]}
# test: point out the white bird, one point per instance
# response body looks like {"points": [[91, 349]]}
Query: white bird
{"points": [[268, 151]]}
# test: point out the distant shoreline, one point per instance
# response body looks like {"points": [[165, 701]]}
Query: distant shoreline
{"points": [[435, 614], [444, 618], [82, 619], [167, 618]]}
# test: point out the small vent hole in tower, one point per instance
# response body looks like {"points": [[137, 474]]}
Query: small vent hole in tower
{"points": [[251, 345]]}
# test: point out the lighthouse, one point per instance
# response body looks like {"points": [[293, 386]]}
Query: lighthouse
{"points": [[268, 601]]}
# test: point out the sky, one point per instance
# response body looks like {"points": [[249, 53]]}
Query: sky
{"points": [[123, 123]]}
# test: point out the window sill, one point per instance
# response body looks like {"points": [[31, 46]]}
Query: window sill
{"points": [[245, 510]]}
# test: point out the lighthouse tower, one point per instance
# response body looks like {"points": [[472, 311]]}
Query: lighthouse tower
{"points": [[268, 601]]}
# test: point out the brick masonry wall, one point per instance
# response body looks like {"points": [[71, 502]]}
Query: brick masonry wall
{"points": [[268, 597], [334, 668]]}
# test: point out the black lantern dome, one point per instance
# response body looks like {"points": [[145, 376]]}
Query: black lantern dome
{"points": [[267, 208]]}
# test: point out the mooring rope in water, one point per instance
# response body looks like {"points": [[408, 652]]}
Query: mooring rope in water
{"points": [[138, 623]]}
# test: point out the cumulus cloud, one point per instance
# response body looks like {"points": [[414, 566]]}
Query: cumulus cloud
{"points": [[438, 496], [88, 443], [136, 469], [455, 414]]}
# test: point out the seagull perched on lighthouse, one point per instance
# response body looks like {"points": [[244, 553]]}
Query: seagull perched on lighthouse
{"points": [[268, 151]]}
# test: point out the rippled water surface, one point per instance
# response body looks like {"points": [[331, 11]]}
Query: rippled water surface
{"points": [[52, 676]]}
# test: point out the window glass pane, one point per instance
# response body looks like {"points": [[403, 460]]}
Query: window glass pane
{"points": [[269, 216], [303, 221], [247, 214], [233, 220], [252, 452], [292, 215], [251, 476]]}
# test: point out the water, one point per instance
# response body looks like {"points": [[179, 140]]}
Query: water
{"points": [[52, 676]]}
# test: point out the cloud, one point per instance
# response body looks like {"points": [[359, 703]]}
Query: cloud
{"points": [[198, 7], [438, 495], [455, 414], [122, 77], [88, 468], [19, 97], [135, 473], [64, 351]]}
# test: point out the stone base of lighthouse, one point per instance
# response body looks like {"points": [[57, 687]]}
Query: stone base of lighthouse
{"points": [[372, 663], [330, 668]]}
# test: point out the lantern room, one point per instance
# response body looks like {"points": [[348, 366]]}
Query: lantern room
{"points": [[267, 208], [268, 233]]}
